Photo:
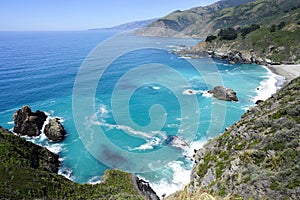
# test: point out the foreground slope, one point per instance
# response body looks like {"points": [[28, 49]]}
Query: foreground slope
{"points": [[256, 158], [28, 171]]}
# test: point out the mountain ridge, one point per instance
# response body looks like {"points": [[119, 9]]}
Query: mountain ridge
{"points": [[127, 26]]}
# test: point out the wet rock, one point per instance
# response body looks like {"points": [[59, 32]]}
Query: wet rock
{"points": [[27, 122], [145, 189], [54, 130], [223, 93]]}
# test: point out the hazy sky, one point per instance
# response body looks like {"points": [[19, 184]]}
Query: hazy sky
{"points": [[84, 14]]}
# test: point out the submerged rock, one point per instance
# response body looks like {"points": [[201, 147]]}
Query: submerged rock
{"points": [[54, 130], [27, 122], [223, 93]]}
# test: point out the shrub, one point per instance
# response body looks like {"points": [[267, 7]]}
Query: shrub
{"points": [[228, 34]]}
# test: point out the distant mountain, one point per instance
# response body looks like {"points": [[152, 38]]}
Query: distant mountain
{"points": [[129, 26], [262, 30], [194, 22]]}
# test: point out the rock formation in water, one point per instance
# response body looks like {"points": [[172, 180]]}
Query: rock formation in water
{"points": [[28, 122], [223, 93], [54, 130]]}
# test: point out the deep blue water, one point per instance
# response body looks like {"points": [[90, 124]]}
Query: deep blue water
{"points": [[133, 89]]}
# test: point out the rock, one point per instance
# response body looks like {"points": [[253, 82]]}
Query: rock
{"points": [[54, 130], [145, 189], [223, 93], [259, 101], [27, 122]]}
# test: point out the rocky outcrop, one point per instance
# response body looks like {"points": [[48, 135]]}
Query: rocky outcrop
{"points": [[36, 157], [54, 130], [259, 156], [145, 189], [28, 171], [28, 122], [223, 93]]}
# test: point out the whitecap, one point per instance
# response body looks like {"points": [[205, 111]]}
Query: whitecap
{"points": [[205, 93], [268, 86], [180, 178], [54, 147], [66, 172], [95, 180], [12, 122], [155, 87]]}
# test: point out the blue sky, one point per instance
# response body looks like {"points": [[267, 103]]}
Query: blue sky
{"points": [[84, 14]]}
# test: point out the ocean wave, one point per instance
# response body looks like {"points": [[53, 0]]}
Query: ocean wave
{"points": [[205, 93], [66, 172], [179, 179], [269, 86], [155, 87], [150, 144], [95, 180]]}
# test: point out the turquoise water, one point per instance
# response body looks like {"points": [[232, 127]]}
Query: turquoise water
{"points": [[126, 104]]}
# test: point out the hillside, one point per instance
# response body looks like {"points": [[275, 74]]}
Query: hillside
{"points": [[29, 171], [127, 26], [258, 157], [202, 21], [262, 32]]}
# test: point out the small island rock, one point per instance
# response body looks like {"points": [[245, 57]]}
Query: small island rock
{"points": [[27, 122], [54, 130], [223, 93]]}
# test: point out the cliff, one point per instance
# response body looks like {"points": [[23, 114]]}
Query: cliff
{"points": [[258, 157], [29, 171]]}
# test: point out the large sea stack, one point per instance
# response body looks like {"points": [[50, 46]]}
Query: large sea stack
{"points": [[28, 122]]}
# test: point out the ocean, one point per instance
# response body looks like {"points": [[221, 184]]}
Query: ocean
{"points": [[126, 102]]}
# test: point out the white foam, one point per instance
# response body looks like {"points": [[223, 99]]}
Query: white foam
{"points": [[55, 148], [95, 180], [155, 87], [205, 93], [180, 178], [12, 122], [269, 86], [189, 92], [149, 145], [195, 146], [180, 170], [66, 172]]}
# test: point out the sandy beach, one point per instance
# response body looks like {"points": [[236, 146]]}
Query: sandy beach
{"points": [[288, 71]]}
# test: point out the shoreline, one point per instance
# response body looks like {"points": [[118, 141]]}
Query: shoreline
{"points": [[289, 72]]}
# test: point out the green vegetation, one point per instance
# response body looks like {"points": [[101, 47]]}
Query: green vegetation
{"points": [[26, 172], [264, 153]]}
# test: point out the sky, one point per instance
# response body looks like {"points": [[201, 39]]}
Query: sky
{"points": [[30, 15]]}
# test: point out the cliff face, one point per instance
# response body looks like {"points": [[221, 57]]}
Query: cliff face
{"points": [[257, 157], [28, 171]]}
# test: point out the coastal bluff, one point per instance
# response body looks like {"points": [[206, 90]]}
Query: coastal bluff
{"points": [[258, 157], [29, 171]]}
